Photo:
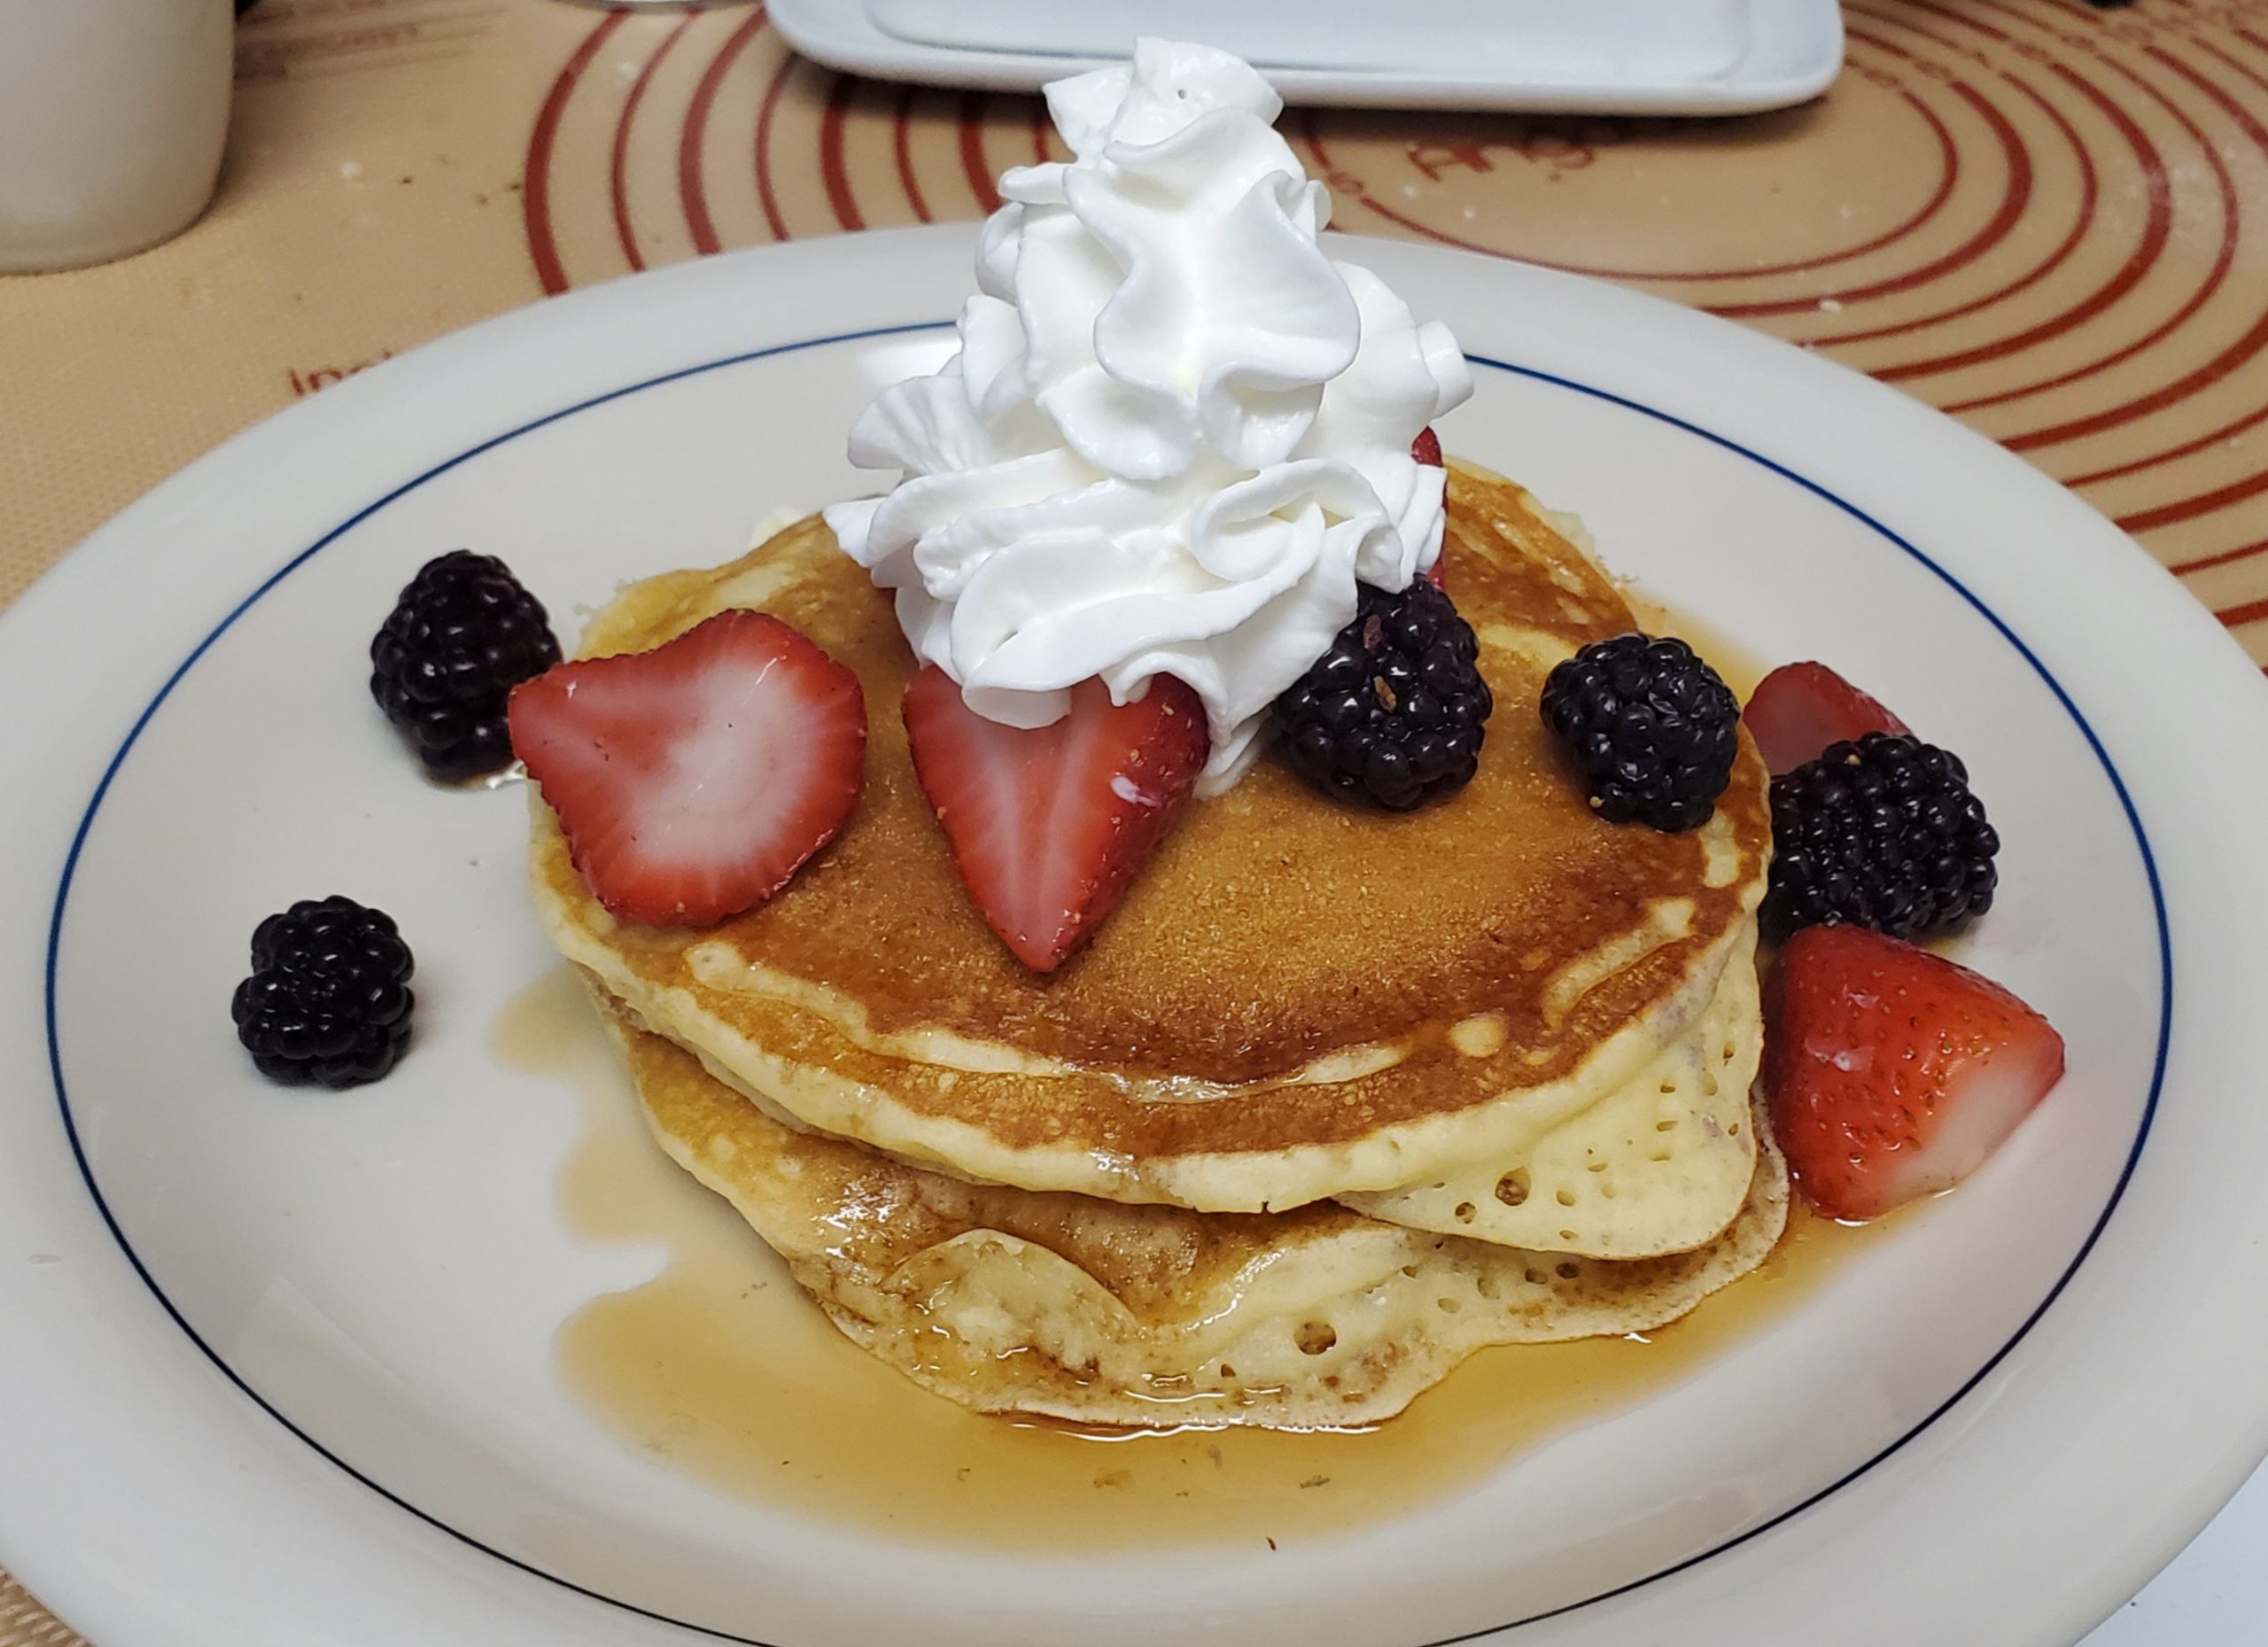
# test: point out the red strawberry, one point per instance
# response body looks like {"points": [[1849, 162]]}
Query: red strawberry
{"points": [[1799, 709], [693, 780], [1426, 449], [1892, 1072], [1049, 825]]}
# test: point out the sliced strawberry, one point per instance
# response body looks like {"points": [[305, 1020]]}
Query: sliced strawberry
{"points": [[1426, 449], [1892, 1072], [1049, 825], [693, 780], [1799, 709]]}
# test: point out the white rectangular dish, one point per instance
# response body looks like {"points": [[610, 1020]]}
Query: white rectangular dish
{"points": [[1617, 56]]}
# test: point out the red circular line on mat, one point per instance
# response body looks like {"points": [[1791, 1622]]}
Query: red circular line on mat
{"points": [[2157, 230], [2251, 611], [2254, 338], [2013, 198], [2089, 191], [2230, 202], [1949, 171], [2224, 558], [689, 188], [2247, 345], [618, 161], [831, 170], [2211, 437], [762, 159], [972, 152], [535, 175], [901, 147], [2234, 62], [2237, 425], [2202, 503]]}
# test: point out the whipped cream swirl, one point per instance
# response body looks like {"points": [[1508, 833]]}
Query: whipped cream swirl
{"points": [[1176, 435]]}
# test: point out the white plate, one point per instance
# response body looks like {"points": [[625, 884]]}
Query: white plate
{"points": [[1787, 51], [280, 1365]]}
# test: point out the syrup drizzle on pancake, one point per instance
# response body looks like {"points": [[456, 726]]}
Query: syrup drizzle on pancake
{"points": [[720, 1368]]}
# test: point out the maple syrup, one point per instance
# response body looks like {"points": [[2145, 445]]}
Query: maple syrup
{"points": [[723, 1368]]}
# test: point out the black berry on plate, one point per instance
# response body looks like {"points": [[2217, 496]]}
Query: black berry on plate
{"points": [[1882, 833], [1395, 711], [1650, 727], [462, 635], [328, 998]]}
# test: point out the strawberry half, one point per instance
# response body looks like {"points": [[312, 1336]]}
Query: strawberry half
{"points": [[1892, 1073], [1426, 449], [1799, 709], [1048, 825], [693, 780]]}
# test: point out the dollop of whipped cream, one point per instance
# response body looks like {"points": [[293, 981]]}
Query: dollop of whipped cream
{"points": [[1176, 435]]}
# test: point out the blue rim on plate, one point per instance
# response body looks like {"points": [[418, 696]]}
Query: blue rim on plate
{"points": [[134, 734]]}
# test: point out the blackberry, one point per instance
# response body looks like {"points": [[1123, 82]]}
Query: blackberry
{"points": [[1395, 711], [1650, 726], [1883, 833], [462, 635], [328, 998]]}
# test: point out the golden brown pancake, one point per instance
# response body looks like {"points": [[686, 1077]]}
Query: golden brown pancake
{"points": [[1011, 1300], [1296, 999]]}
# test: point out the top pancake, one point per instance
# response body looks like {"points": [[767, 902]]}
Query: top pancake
{"points": [[1296, 999]]}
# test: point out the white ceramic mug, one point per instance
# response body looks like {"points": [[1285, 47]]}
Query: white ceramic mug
{"points": [[112, 116]]}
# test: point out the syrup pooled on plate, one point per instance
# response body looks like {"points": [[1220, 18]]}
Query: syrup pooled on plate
{"points": [[721, 1368]]}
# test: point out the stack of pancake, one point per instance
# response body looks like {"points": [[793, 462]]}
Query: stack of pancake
{"points": [[1334, 1099]]}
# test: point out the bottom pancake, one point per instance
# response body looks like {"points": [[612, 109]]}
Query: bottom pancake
{"points": [[1068, 1307]]}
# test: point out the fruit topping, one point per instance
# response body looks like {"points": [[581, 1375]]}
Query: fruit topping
{"points": [[1048, 825], [1394, 713], [693, 780], [1799, 709], [1426, 449], [462, 635], [1892, 1073], [328, 998], [1651, 729], [1883, 833]]}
